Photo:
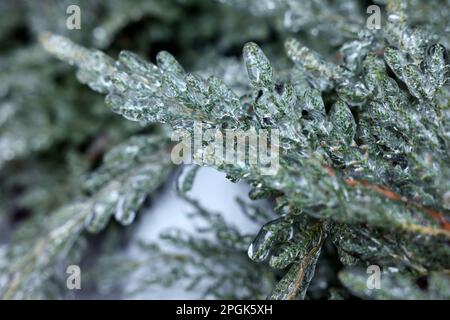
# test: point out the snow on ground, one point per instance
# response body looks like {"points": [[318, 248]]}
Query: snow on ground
{"points": [[168, 211]]}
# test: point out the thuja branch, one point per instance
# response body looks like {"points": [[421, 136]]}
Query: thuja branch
{"points": [[383, 134]]}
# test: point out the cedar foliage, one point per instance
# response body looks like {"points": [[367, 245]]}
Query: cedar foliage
{"points": [[364, 122]]}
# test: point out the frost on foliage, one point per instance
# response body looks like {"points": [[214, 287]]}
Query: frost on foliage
{"points": [[35, 114], [334, 20], [364, 142], [211, 260], [405, 251], [23, 129], [142, 91], [26, 130], [130, 172], [395, 285], [295, 244], [283, 241], [46, 184], [39, 249]]}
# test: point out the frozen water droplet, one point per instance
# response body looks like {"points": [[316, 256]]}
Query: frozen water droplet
{"points": [[123, 214], [284, 255], [168, 63], [258, 66], [197, 90], [98, 218], [447, 199], [115, 102], [101, 211], [393, 18], [275, 230], [136, 64]]}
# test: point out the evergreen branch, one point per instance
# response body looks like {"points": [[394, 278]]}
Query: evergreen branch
{"points": [[363, 138], [140, 165], [295, 283]]}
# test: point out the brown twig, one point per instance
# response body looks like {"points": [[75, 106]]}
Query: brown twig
{"points": [[298, 281], [386, 192]]}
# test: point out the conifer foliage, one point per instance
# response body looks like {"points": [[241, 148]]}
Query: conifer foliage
{"points": [[363, 116]]}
